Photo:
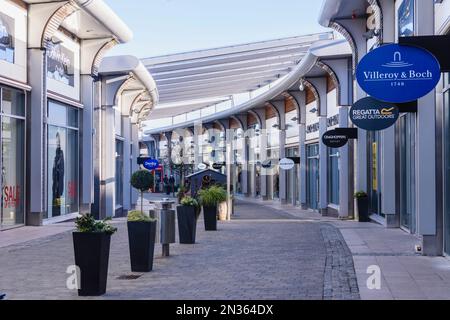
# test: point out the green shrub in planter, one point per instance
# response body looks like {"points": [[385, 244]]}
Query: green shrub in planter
{"points": [[210, 199], [92, 242], [188, 212]]}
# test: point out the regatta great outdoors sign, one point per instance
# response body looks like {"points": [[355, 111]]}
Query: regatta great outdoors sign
{"points": [[397, 74], [373, 115]]}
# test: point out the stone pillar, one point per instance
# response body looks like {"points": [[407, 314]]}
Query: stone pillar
{"points": [[87, 144], [264, 172], [37, 138], [320, 85], [127, 165], [345, 182], [108, 163], [430, 220], [280, 106], [245, 170], [134, 164]]}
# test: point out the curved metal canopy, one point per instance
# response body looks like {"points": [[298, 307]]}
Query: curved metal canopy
{"points": [[194, 80]]}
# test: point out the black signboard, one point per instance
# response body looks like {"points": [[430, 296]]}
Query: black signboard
{"points": [[268, 164], [334, 139], [142, 160], [373, 115], [218, 166]]}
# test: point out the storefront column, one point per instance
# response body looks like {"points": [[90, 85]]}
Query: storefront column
{"points": [[428, 223], [300, 97], [37, 142], [127, 166], [198, 144], [345, 182], [261, 112], [168, 136], [86, 147], [108, 156], [245, 170], [281, 108], [320, 84], [155, 152], [134, 164], [388, 137]]}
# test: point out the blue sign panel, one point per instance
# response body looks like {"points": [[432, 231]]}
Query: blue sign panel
{"points": [[151, 164], [373, 115], [397, 74]]}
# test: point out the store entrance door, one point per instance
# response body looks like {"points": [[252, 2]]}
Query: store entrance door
{"points": [[313, 176]]}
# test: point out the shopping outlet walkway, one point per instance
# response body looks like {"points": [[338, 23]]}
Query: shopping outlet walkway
{"points": [[270, 256]]}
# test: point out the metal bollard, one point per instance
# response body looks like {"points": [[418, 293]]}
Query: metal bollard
{"points": [[166, 223]]}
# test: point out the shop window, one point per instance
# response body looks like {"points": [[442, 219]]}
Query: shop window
{"points": [[63, 160], [12, 157], [333, 176]]}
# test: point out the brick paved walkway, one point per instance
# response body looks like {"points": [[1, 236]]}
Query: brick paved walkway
{"points": [[274, 257]]}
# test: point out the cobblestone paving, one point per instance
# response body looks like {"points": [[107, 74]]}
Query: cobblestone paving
{"points": [[246, 259]]}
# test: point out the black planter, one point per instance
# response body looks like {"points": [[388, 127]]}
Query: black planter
{"points": [[187, 224], [363, 209], [210, 216], [92, 257], [141, 237]]}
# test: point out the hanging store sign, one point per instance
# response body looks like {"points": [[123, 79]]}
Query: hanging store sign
{"points": [[268, 164], [151, 164], [397, 74], [334, 139], [202, 166], [373, 115], [287, 164], [218, 166]]}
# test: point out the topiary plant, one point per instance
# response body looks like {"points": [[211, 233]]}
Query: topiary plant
{"points": [[142, 180], [212, 196]]}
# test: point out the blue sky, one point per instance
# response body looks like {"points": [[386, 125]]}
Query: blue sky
{"points": [[170, 26]]}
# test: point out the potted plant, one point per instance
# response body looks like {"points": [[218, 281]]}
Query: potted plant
{"points": [[362, 201], [141, 228], [187, 213], [141, 238], [210, 198], [91, 243]]}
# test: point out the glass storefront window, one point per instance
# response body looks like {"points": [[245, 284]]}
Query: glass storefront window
{"points": [[63, 160], [333, 176], [119, 172], [447, 163], [374, 171], [13, 152], [312, 191], [407, 172]]}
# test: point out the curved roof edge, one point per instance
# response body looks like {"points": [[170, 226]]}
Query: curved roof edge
{"points": [[108, 18], [329, 10], [129, 64], [318, 50]]}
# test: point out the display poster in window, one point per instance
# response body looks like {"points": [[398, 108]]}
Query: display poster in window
{"points": [[6, 38], [60, 64]]}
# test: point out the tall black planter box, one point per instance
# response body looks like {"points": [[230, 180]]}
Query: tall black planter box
{"points": [[92, 257], [187, 224], [363, 209], [210, 216], [141, 237]]}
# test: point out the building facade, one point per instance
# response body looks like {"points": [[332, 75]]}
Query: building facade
{"points": [[50, 52], [403, 169]]}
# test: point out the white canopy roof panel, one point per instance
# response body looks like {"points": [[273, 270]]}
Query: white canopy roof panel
{"points": [[194, 80]]}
